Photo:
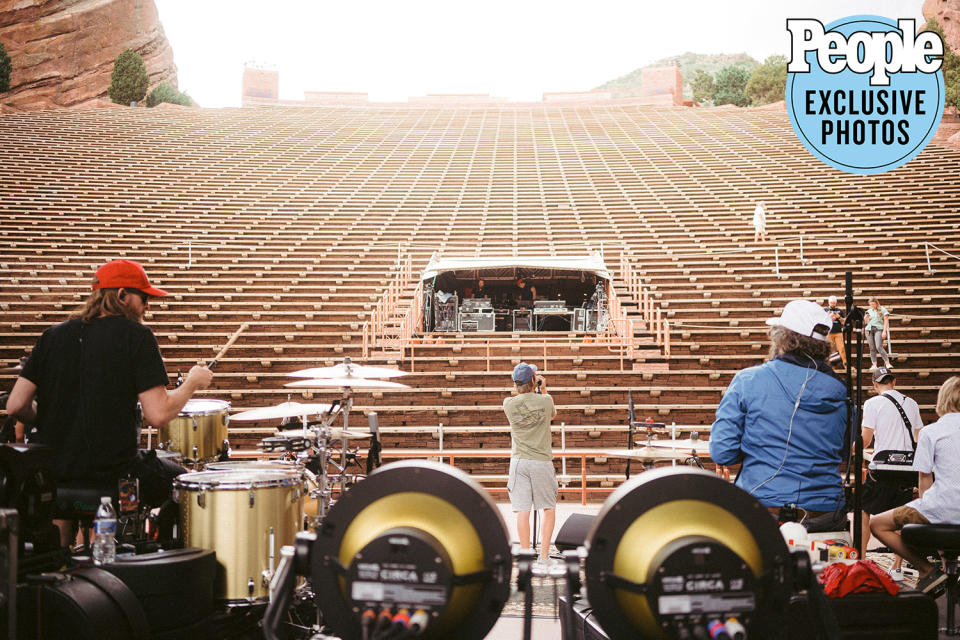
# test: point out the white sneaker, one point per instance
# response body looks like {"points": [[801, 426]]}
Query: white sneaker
{"points": [[896, 575], [873, 367], [540, 567], [557, 568]]}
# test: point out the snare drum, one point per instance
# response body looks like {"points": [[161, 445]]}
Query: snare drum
{"points": [[199, 431], [245, 517]]}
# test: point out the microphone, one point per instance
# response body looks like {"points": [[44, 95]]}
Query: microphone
{"points": [[848, 285]]}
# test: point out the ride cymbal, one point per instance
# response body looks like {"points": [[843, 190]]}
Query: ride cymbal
{"points": [[347, 382]]}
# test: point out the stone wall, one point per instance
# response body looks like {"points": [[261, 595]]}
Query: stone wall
{"points": [[62, 52], [947, 13], [661, 85]]}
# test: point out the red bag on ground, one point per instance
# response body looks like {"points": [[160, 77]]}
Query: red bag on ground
{"points": [[863, 576]]}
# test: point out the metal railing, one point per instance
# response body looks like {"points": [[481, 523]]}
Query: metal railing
{"points": [[650, 311], [525, 345], [926, 248], [374, 331]]}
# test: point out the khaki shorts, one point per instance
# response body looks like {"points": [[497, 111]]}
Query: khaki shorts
{"points": [[907, 515], [532, 484]]}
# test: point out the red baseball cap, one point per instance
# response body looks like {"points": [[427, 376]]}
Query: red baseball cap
{"points": [[125, 273]]}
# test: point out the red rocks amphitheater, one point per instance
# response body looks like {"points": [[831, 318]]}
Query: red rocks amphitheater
{"points": [[314, 225]]}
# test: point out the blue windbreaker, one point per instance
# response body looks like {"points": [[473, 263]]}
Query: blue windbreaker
{"points": [[752, 425]]}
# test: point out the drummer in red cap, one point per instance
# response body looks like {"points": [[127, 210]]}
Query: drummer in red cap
{"points": [[83, 379]]}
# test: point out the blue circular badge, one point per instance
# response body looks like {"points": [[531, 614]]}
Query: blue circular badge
{"points": [[851, 124]]}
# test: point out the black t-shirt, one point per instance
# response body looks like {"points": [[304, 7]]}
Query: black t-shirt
{"points": [[838, 323], [523, 293], [88, 377]]}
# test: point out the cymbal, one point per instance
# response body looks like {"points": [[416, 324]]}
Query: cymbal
{"points": [[646, 454], [700, 446], [336, 433], [283, 410], [348, 370], [347, 382]]}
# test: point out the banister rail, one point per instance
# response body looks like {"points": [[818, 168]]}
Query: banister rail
{"points": [[650, 312], [374, 331]]}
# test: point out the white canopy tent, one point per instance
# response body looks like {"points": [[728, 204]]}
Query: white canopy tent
{"points": [[592, 263]]}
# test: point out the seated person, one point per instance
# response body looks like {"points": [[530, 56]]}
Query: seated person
{"points": [[938, 449], [784, 421], [83, 380]]}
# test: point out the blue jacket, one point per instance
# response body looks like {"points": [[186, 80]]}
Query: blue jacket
{"points": [[752, 428]]}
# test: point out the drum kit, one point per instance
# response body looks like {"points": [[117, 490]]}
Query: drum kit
{"points": [[246, 510]]}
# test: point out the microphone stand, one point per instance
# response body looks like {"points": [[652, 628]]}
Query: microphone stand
{"points": [[632, 425], [853, 323]]}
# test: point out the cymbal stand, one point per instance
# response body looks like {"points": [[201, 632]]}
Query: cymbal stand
{"points": [[323, 493], [345, 405]]}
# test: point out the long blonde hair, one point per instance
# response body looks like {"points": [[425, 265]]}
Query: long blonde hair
{"points": [[103, 302]]}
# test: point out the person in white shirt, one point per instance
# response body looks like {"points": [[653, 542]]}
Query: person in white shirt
{"points": [[938, 450], [888, 430], [759, 223]]}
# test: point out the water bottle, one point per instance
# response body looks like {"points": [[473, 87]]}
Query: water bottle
{"points": [[104, 529]]}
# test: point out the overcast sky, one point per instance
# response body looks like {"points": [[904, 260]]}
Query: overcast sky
{"points": [[513, 49]]}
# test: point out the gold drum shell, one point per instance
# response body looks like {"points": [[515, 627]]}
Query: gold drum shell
{"points": [[233, 513], [202, 423]]}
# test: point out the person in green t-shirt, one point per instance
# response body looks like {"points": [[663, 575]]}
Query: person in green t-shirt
{"points": [[532, 483], [877, 327]]}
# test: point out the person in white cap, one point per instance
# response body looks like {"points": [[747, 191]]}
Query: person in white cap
{"points": [[784, 421], [532, 483]]}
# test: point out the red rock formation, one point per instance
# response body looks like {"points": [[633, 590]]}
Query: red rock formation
{"points": [[63, 50], [947, 13]]}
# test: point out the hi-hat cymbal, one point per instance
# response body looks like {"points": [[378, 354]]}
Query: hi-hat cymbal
{"points": [[336, 433], [283, 410], [348, 370], [646, 454], [347, 382]]}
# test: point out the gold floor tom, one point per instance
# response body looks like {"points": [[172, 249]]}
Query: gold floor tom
{"points": [[199, 431], [245, 517], [254, 465]]}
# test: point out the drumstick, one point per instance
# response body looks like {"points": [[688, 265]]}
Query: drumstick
{"points": [[233, 338]]}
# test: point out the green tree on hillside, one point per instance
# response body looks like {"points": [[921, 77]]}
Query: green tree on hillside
{"points": [[950, 68], [768, 81], [5, 68], [163, 92], [703, 87], [731, 86], [129, 80]]}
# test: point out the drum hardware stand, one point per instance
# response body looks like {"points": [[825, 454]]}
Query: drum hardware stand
{"points": [[346, 404], [224, 451]]}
